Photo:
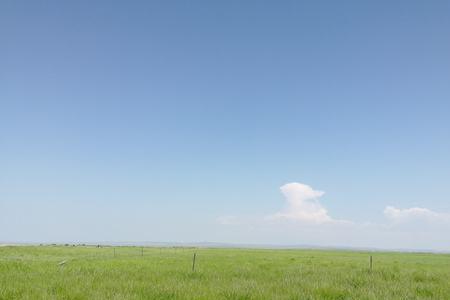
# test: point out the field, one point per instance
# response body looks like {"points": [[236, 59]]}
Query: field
{"points": [[87, 272]]}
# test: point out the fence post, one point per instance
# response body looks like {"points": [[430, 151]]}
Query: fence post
{"points": [[371, 263], [193, 262]]}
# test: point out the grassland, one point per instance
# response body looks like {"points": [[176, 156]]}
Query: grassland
{"points": [[36, 272]]}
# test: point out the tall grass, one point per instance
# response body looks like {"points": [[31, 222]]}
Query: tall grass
{"points": [[34, 272]]}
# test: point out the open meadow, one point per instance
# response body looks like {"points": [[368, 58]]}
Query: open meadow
{"points": [[88, 272]]}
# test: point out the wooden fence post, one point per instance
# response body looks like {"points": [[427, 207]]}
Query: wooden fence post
{"points": [[193, 262]]}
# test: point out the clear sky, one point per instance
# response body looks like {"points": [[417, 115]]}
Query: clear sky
{"points": [[277, 122]]}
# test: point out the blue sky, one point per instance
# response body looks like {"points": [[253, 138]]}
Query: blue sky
{"points": [[181, 121]]}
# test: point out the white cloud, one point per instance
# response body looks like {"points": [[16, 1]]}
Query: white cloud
{"points": [[412, 214], [303, 204], [305, 221]]}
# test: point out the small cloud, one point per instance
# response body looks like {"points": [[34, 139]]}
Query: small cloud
{"points": [[302, 204], [398, 215], [304, 220]]}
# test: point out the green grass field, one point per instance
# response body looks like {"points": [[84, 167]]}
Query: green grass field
{"points": [[34, 272]]}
